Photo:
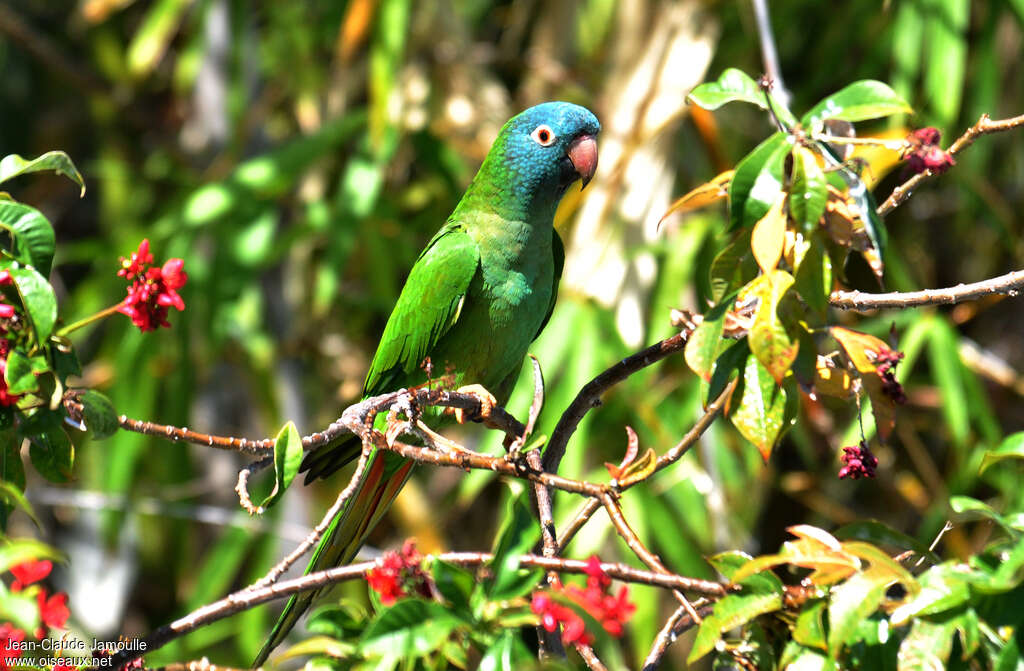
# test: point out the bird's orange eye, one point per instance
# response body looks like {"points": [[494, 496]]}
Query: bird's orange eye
{"points": [[543, 135]]}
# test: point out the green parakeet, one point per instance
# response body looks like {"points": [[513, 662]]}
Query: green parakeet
{"points": [[478, 295]]}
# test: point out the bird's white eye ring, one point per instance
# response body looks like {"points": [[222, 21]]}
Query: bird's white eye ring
{"points": [[543, 135]]}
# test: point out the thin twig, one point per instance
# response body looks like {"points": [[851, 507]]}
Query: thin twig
{"points": [[1009, 284], [984, 126], [242, 486], [640, 550], [248, 598], [665, 638], [314, 537], [590, 657], [769, 54]]}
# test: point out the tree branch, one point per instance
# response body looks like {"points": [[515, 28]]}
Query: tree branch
{"points": [[984, 126], [1010, 284]]}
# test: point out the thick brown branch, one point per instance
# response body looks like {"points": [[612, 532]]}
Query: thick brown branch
{"points": [[590, 396], [984, 126], [1010, 284]]}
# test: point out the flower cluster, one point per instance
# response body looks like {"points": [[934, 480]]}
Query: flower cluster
{"points": [[152, 290], [53, 609], [6, 312], [885, 361], [858, 462], [924, 153], [399, 574], [612, 611]]}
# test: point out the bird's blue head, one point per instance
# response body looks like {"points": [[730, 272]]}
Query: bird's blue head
{"points": [[537, 155]]}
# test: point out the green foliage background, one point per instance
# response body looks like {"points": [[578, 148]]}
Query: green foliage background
{"points": [[298, 158]]}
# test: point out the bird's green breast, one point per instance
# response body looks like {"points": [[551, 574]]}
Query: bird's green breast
{"points": [[505, 305]]}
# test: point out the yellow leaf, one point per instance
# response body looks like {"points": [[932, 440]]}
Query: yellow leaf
{"points": [[640, 469], [768, 238], [831, 381], [857, 345], [702, 196]]}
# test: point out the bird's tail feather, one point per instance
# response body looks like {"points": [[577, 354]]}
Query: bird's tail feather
{"points": [[383, 478]]}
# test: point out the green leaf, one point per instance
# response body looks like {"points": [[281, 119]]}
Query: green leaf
{"points": [[769, 339], [927, 646], [760, 414], [13, 496], [154, 35], [507, 653], [943, 587], [968, 508], [411, 628], [758, 594], [729, 364], [287, 459], [729, 562], [813, 280], [39, 300], [22, 372], [98, 413], [22, 550], [850, 603], [726, 272], [454, 583], [706, 340], [865, 99], [52, 454], [1012, 447], [757, 183], [34, 240], [518, 534], [732, 85], [809, 192], [810, 626], [944, 357], [13, 165], [20, 609]]}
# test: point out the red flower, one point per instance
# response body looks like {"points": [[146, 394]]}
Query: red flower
{"points": [[886, 360], [29, 572], [398, 574], [923, 152], [9, 649], [858, 462], [53, 611], [153, 290], [136, 265], [5, 278], [6, 311], [611, 611]]}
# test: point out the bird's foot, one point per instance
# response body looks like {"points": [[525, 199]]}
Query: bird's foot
{"points": [[487, 403]]}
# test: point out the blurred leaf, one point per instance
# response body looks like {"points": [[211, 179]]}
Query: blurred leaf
{"points": [[809, 192], [219, 566], [968, 508], [319, 645], [34, 240], [287, 459], [810, 626], [702, 196], [454, 583], [878, 533], [865, 99], [944, 357], [768, 237], [518, 534], [507, 653], [52, 454], [759, 415], [409, 629], [39, 300], [156, 32], [726, 272], [927, 646], [1012, 447], [13, 165], [20, 609], [21, 550], [945, 58], [757, 183], [338, 620], [99, 414], [13, 496]]}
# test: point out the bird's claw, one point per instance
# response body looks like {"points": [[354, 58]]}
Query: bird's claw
{"points": [[487, 403]]}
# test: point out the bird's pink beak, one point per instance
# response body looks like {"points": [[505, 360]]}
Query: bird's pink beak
{"points": [[583, 154]]}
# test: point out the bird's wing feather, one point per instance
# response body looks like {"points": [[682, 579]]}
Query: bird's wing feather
{"points": [[427, 308], [558, 249]]}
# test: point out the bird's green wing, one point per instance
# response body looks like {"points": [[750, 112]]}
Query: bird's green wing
{"points": [[429, 305], [558, 249]]}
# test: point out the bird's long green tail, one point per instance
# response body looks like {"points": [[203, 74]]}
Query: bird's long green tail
{"points": [[383, 478]]}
